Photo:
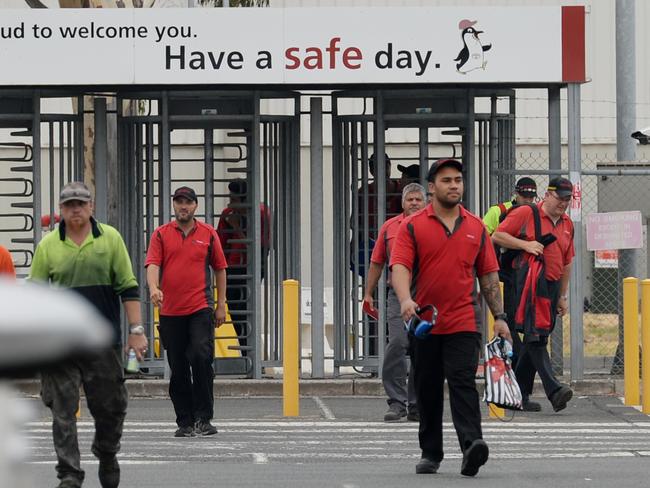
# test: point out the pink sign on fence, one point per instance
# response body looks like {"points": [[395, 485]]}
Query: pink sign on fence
{"points": [[614, 230]]}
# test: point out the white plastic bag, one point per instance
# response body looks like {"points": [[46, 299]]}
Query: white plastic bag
{"points": [[501, 388]]}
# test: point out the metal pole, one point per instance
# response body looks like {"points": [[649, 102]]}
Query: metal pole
{"points": [[494, 141], [576, 292], [208, 156], [164, 190], [255, 198], [469, 156], [100, 149], [36, 165], [380, 152], [625, 125], [317, 256], [555, 163]]}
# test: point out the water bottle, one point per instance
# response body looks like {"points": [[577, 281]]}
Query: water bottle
{"points": [[506, 347], [132, 364]]}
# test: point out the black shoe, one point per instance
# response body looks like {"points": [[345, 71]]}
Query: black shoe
{"points": [[204, 427], [184, 432], [561, 397], [528, 406], [69, 483], [395, 413], [474, 457], [109, 472], [427, 466], [413, 415]]}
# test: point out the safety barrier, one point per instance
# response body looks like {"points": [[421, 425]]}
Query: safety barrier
{"points": [[631, 342], [290, 349]]}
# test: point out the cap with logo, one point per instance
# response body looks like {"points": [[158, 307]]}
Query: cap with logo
{"points": [[75, 190], [561, 186], [185, 192], [526, 186], [443, 163]]}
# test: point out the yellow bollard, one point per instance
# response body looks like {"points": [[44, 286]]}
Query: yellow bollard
{"points": [[631, 340], [645, 341], [495, 412], [290, 349]]}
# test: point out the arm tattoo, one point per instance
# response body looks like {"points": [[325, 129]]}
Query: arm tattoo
{"points": [[492, 292]]}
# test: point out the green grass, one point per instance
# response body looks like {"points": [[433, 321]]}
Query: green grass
{"points": [[600, 334]]}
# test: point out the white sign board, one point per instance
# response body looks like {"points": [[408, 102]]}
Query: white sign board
{"points": [[301, 46], [305, 305], [614, 230]]}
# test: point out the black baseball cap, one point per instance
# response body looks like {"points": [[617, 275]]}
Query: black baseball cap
{"points": [[411, 171], [185, 192], [526, 186], [443, 163], [238, 186], [561, 186]]}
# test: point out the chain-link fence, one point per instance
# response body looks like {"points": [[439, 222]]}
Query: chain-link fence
{"points": [[606, 186]]}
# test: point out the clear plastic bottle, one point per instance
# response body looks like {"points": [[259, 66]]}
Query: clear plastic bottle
{"points": [[506, 347], [132, 364]]}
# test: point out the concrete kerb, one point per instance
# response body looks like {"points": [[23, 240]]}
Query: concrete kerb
{"points": [[154, 388]]}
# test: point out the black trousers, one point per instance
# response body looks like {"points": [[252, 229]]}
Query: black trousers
{"points": [[237, 296], [189, 341], [453, 357], [510, 308], [534, 358], [102, 378]]}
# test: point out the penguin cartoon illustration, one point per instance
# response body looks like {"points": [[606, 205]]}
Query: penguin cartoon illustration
{"points": [[471, 56]]}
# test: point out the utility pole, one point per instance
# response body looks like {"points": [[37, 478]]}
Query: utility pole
{"points": [[625, 145]]}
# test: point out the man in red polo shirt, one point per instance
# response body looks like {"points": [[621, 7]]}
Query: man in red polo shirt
{"points": [[440, 251], [400, 391], [517, 232], [178, 263]]}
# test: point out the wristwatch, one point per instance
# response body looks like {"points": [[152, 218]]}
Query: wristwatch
{"points": [[501, 316], [136, 329]]}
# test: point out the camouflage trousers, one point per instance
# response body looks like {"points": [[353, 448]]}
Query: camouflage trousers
{"points": [[102, 377]]}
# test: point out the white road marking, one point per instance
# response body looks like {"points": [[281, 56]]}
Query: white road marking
{"points": [[260, 458], [327, 413], [264, 441]]}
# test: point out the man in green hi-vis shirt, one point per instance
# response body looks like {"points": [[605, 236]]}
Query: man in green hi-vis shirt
{"points": [[91, 259], [525, 192]]}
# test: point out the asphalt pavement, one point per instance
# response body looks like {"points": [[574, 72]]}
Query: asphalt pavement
{"points": [[343, 442]]}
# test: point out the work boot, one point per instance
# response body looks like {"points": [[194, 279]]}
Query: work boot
{"points": [[560, 397], [395, 413], [109, 472], [414, 414], [184, 431], [529, 406], [427, 466], [204, 427], [474, 457], [69, 483]]}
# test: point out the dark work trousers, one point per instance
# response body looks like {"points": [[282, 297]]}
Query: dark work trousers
{"points": [[510, 308], [237, 297], [102, 378], [189, 341], [453, 357], [534, 356], [399, 388]]}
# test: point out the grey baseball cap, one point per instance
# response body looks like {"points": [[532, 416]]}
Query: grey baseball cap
{"points": [[75, 190]]}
